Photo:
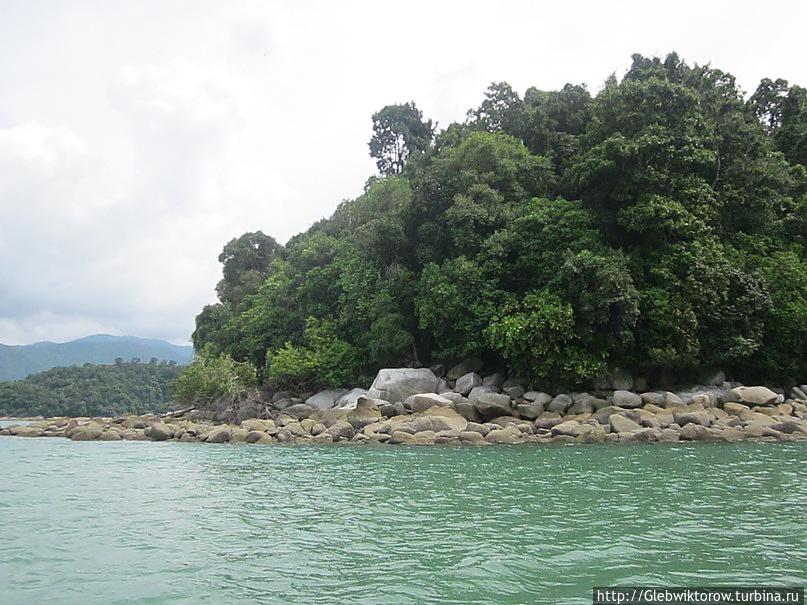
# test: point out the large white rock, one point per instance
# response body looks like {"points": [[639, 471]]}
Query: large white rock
{"points": [[349, 399], [325, 400], [752, 396], [396, 384]]}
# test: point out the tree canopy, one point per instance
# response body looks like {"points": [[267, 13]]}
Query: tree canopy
{"points": [[91, 390], [660, 224]]}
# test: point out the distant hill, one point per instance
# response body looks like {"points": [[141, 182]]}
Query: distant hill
{"points": [[19, 361]]}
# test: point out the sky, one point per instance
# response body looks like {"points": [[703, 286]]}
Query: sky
{"points": [[137, 138]]}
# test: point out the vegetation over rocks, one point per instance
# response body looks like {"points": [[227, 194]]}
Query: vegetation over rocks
{"points": [[658, 225]]}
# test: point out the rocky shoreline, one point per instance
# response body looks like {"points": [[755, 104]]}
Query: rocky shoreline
{"points": [[403, 406]]}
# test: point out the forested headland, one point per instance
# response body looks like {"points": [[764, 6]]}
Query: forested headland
{"points": [[659, 225], [91, 390]]}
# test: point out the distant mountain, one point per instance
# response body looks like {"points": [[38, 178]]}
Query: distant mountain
{"points": [[19, 361]]}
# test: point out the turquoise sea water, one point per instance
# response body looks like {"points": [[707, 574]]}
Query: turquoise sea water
{"points": [[131, 522]]}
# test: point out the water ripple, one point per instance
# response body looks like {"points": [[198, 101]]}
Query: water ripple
{"points": [[132, 523]]}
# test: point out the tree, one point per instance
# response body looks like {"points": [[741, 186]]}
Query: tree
{"points": [[398, 131], [246, 262]]}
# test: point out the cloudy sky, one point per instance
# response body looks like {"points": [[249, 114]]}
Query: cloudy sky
{"points": [[136, 138]]}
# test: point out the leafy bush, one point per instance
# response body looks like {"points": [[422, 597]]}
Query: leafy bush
{"points": [[211, 378], [324, 361]]}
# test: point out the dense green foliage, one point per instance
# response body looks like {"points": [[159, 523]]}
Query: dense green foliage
{"points": [[660, 224], [18, 361], [91, 390], [213, 377]]}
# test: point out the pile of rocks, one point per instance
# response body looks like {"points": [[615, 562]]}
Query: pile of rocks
{"points": [[458, 405]]}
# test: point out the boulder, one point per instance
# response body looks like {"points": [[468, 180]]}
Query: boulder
{"points": [[300, 410], [472, 437], [671, 400], [258, 425], [396, 384], [492, 405], [621, 424], [626, 399], [401, 437], [752, 396], [571, 427], [325, 400], [467, 382], [701, 417], [467, 410], [445, 419], [477, 392], [560, 404], [218, 435], [537, 397], [349, 399], [464, 367], [529, 411], [736, 409], [85, 432], [478, 428], [656, 399], [495, 380], [513, 388], [27, 431], [509, 434], [581, 404], [366, 412], [238, 435], [159, 432], [424, 401], [696, 432], [341, 430]]}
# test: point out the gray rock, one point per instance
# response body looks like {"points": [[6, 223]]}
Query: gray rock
{"points": [[537, 396], [621, 424], [467, 382], [496, 379], [477, 392], [442, 386], [424, 401], [472, 437], [701, 417], [653, 398], [529, 411], [396, 384], [464, 367], [439, 370], [341, 430], [349, 399], [493, 405], [515, 391], [325, 400], [467, 410], [752, 396], [671, 400], [300, 410], [509, 434], [712, 377], [388, 410], [581, 406], [560, 403], [452, 396], [626, 399]]}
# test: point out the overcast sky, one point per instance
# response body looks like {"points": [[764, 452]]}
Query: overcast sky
{"points": [[137, 138]]}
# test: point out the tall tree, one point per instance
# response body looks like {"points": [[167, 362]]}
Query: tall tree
{"points": [[246, 261], [398, 131]]}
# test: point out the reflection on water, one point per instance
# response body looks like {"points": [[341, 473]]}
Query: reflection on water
{"points": [[192, 523]]}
